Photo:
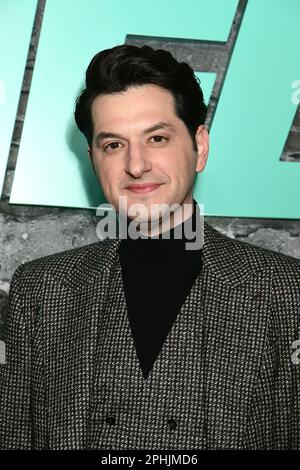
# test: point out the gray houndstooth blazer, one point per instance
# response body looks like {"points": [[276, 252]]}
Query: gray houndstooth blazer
{"points": [[226, 377]]}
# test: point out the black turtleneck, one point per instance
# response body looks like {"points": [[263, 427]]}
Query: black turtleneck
{"points": [[158, 274]]}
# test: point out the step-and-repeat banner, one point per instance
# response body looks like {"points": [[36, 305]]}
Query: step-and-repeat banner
{"points": [[244, 176]]}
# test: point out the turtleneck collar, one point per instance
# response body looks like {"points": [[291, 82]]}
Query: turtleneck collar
{"points": [[157, 257]]}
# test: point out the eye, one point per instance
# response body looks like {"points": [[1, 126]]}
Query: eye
{"points": [[111, 146], [159, 137]]}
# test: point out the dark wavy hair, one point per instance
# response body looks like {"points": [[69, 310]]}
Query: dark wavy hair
{"points": [[116, 69]]}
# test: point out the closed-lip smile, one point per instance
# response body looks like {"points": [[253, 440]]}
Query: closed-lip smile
{"points": [[142, 188]]}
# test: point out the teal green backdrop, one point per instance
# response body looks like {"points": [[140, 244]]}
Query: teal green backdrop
{"points": [[16, 21], [244, 176]]}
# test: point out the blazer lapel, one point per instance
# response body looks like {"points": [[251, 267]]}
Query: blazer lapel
{"points": [[235, 296]]}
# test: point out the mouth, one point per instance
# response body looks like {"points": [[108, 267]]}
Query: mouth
{"points": [[142, 188]]}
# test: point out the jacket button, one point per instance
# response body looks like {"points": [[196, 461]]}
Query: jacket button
{"points": [[172, 424], [110, 420]]}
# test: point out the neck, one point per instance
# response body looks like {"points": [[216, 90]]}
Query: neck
{"points": [[168, 222], [166, 225], [158, 257]]}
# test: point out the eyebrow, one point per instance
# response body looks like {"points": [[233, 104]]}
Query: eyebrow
{"points": [[155, 127]]}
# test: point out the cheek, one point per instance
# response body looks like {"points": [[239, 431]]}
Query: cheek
{"points": [[109, 177], [182, 166]]}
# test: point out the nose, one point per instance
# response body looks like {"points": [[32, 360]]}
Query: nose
{"points": [[136, 160]]}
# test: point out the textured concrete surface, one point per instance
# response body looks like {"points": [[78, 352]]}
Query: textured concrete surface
{"points": [[31, 232]]}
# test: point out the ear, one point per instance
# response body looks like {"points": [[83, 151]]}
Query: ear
{"points": [[202, 139], [91, 157]]}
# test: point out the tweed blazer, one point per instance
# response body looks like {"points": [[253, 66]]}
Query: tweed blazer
{"points": [[227, 376]]}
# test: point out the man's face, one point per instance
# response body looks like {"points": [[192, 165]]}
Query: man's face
{"points": [[139, 155]]}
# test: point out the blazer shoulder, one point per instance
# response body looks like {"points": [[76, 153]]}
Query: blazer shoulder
{"points": [[284, 267], [58, 265], [236, 257], [221, 244]]}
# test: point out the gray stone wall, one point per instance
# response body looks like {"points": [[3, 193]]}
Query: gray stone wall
{"points": [[30, 232]]}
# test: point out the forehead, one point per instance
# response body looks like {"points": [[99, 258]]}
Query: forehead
{"points": [[135, 104]]}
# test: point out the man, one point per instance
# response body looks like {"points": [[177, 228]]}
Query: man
{"points": [[139, 343]]}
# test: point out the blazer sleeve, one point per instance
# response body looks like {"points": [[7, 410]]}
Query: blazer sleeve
{"points": [[15, 372], [274, 417]]}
